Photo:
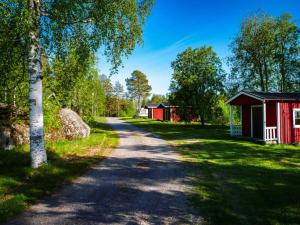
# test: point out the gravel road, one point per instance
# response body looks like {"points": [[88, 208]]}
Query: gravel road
{"points": [[141, 182]]}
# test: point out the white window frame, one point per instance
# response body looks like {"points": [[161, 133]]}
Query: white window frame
{"points": [[294, 119]]}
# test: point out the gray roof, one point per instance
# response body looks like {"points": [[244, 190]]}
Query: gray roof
{"points": [[164, 104], [151, 105], [274, 95]]}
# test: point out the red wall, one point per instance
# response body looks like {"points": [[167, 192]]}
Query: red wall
{"points": [[271, 114], [245, 100], [173, 116], [288, 133], [158, 114], [246, 120], [271, 117]]}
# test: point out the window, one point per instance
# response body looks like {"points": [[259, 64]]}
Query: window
{"points": [[296, 118]]}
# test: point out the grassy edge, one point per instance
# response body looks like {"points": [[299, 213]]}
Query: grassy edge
{"points": [[18, 201]]}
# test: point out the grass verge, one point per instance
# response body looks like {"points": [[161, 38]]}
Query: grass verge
{"points": [[21, 186], [236, 182]]}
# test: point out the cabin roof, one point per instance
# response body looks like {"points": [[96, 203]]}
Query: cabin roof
{"points": [[262, 96], [151, 105]]}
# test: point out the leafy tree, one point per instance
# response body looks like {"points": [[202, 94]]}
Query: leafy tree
{"points": [[266, 54], [196, 82], [156, 98], [119, 94], [253, 52], [287, 53], [221, 111], [53, 26], [138, 86]]}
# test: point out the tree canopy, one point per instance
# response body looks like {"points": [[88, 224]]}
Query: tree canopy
{"points": [[138, 86], [266, 54], [196, 82]]}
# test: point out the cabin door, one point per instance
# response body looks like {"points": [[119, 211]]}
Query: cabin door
{"points": [[257, 122]]}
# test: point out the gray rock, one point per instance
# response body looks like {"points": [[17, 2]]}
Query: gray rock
{"points": [[72, 126], [11, 135]]}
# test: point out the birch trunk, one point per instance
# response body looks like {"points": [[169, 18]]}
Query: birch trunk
{"points": [[37, 146]]}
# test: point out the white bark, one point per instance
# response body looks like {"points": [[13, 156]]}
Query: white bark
{"points": [[37, 146]]}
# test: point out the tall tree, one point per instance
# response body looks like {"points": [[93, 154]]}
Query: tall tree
{"points": [[119, 94], [196, 82], [52, 26], [138, 86], [287, 53], [266, 54], [253, 51]]}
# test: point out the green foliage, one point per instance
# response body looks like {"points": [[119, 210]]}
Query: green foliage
{"points": [[138, 87], [196, 82], [266, 54], [116, 102], [51, 108], [69, 34], [156, 98], [221, 112]]}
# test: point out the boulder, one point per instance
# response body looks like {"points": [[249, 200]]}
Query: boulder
{"points": [[11, 135], [72, 126]]}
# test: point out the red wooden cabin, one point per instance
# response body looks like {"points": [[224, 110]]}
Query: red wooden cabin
{"points": [[266, 116], [156, 111], [163, 111]]}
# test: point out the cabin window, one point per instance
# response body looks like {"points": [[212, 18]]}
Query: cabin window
{"points": [[296, 118]]}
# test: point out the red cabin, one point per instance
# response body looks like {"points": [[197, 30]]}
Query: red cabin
{"points": [[268, 117], [163, 111]]}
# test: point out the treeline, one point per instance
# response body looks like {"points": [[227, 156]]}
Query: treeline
{"points": [[68, 82], [265, 56]]}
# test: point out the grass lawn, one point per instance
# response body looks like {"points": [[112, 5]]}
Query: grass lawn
{"points": [[21, 186], [236, 182]]}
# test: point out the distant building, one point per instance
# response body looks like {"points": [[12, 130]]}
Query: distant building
{"points": [[164, 112]]}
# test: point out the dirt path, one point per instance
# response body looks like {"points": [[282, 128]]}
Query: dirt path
{"points": [[141, 182]]}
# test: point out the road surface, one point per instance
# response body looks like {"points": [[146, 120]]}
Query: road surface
{"points": [[142, 182]]}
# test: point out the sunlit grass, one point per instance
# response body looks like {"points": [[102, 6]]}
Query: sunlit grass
{"points": [[236, 182], [21, 186]]}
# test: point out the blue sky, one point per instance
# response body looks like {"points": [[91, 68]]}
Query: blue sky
{"points": [[175, 25]]}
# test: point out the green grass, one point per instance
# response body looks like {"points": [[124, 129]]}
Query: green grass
{"points": [[21, 186], [236, 182]]}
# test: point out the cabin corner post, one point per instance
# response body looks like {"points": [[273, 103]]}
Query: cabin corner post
{"points": [[231, 132], [278, 122], [264, 121]]}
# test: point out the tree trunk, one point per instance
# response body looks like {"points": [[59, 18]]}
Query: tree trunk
{"points": [[261, 75], [37, 147]]}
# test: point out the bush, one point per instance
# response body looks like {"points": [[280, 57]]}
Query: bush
{"points": [[51, 108]]}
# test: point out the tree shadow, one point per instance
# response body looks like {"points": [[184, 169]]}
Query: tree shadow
{"points": [[121, 191], [243, 183]]}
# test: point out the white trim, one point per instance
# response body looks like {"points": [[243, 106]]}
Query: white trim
{"points": [[295, 110], [278, 122], [243, 93], [230, 120], [152, 113], [251, 126], [264, 121]]}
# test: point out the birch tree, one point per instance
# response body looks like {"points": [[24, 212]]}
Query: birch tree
{"points": [[53, 26]]}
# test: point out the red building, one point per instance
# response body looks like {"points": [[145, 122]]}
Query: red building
{"points": [[266, 116], [157, 111], [164, 112]]}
